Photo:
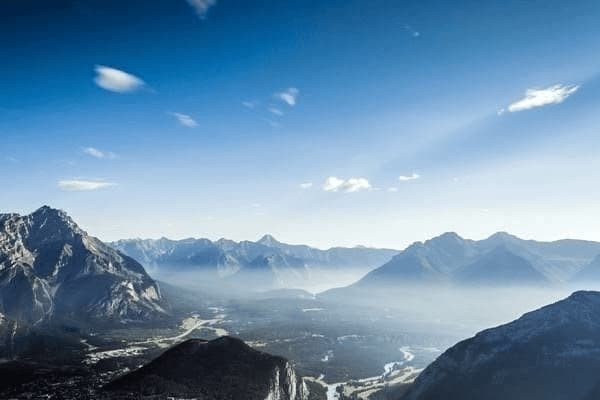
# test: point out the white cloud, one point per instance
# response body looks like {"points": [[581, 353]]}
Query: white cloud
{"points": [[542, 97], [78, 185], [406, 178], [288, 96], [306, 185], [334, 184], [392, 189], [116, 80], [202, 6], [275, 110], [94, 152], [249, 104], [185, 120]]}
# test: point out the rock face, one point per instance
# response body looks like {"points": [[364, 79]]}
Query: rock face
{"points": [[549, 354], [275, 264], [52, 271], [222, 369], [497, 260]]}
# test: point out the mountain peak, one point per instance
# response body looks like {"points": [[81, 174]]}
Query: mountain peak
{"points": [[65, 273], [268, 240], [503, 236], [447, 237], [47, 209]]}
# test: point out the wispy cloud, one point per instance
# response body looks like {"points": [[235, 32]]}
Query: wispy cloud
{"points": [[334, 184], [288, 96], [406, 178], [542, 97], [275, 110], [94, 152], [249, 104], [115, 80], [202, 6], [392, 189], [273, 124], [185, 119], [306, 185], [412, 32], [80, 185]]}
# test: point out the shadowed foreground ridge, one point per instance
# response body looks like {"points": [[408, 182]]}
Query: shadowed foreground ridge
{"points": [[224, 368], [549, 354]]}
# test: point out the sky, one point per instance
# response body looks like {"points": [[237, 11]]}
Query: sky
{"points": [[329, 123]]}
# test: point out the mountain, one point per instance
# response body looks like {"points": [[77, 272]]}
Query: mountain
{"points": [[222, 369], [500, 267], [500, 259], [277, 264], [53, 271], [590, 273], [549, 354]]}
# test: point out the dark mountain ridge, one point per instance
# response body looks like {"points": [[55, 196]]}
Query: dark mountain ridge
{"points": [[549, 354], [221, 369]]}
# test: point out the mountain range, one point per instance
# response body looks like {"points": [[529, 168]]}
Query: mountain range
{"points": [[51, 271], [267, 263], [549, 354], [501, 259]]}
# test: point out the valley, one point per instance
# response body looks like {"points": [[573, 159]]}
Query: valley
{"points": [[366, 341]]}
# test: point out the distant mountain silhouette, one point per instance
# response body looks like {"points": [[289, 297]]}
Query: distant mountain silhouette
{"points": [[500, 267], [501, 259], [590, 273], [274, 264]]}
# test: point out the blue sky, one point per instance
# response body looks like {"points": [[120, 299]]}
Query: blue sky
{"points": [[327, 123]]}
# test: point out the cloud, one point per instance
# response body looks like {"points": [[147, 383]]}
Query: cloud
{"points": [[94, 152], [273, 124], [412, 32], [288, 96], [334, 184], [542, 97], [306, 185], [116, 80], [392, 189], [202, 6], [275, 110], [249, 104], [406, 178], [185, 120], [79, 185]]}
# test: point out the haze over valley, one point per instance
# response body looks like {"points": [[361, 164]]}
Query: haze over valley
{"points": [[373, 335]]}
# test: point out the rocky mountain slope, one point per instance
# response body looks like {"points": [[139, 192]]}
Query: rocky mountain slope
{"points": [[549, 354], [53, 271], [222, 369]]}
